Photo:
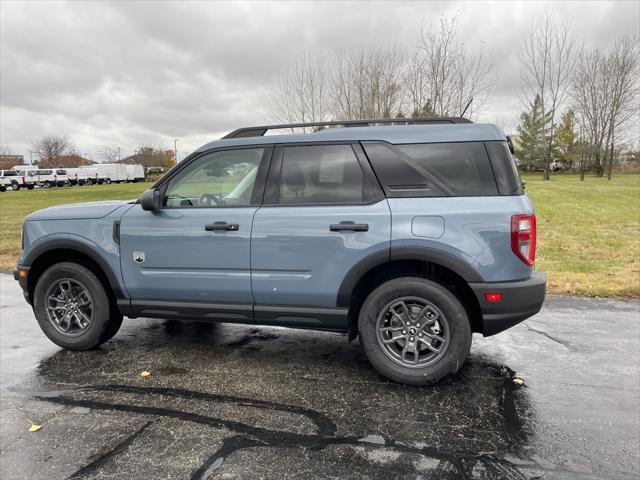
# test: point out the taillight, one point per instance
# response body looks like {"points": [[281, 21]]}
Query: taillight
{"points": [[523, 237]]}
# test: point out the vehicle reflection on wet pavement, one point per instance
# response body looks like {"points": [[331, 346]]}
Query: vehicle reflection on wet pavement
{"points": [[233, 401]]}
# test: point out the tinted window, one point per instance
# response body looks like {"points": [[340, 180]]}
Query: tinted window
{"points": [[61, 172], [321, 174], [433, 170], [9, 173], [219, 179], [504, 168]]}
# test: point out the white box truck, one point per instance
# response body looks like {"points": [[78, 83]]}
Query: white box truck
{"points": [[135, 173], [107, 173]]}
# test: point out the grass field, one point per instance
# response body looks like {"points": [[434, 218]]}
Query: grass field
{"points": [[588, 232]]}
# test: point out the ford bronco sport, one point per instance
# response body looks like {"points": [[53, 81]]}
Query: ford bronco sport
{"points": [[409, 234]]}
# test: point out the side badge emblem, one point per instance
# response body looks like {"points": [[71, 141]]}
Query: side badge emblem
{"points": [[138, 257]]}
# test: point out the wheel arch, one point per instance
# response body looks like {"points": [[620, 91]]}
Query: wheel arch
{"points": [[55, 251], [436, 265]]}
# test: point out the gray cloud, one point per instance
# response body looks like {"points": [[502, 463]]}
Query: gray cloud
{"points": [[126, 73]]}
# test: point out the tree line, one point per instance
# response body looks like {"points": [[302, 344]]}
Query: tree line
{"points": [[60, 151], [576, 99], [438, 76]]}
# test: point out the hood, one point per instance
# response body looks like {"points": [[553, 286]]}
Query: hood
{"points": [[78, 211]]}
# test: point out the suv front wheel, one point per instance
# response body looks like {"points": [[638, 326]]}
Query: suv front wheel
{"points": [[414, 331], [72, 307]]}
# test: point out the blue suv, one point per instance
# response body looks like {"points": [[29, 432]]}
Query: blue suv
{"points": [[408, 234]]}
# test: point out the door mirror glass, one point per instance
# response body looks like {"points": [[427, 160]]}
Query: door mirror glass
{"points": [[151, 200]]}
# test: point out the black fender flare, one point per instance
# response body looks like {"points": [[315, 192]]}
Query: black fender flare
{"points": [[81, 247], [432, 255]]}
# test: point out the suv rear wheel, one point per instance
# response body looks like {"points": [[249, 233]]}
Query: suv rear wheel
{"points": [[73, 309], [414, 331]]}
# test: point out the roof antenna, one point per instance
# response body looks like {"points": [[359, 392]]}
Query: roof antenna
{"points": [[465, 108]]}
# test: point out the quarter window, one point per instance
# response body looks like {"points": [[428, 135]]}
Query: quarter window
{"points": [[220, 179], [320, 174], [433, 169]]}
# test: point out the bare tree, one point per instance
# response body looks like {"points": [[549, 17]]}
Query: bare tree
{"points": [[623, 68], [301, 91], [606, 94], [367, 83], [548, 58], [110, 154], [443, 78], [50, 149]]}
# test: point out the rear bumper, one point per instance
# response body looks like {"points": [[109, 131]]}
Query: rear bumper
{"points": [[520, 300]]}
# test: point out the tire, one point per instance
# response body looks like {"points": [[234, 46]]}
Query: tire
{"points": [[47, 184], [104, 319], [3, 189], [449, 317], [15, 187], [29, 187], [108, 181]]}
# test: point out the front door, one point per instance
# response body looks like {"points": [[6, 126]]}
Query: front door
{"points": [[192, 257]]}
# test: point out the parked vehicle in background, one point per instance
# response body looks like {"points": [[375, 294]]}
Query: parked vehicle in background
{"points": [[556, 166], [410, 237], [24, 181], [108, 172], [135, 173], [45, 177], [77, 176], [19, 168], [91, 174], [9, 180], [61, 178]]}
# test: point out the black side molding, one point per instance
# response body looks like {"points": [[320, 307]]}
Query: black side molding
{"points": [[116, 232], [426, 254]]}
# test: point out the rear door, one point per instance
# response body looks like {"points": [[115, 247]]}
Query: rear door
{"points": [[323, 213], [193, 254]]}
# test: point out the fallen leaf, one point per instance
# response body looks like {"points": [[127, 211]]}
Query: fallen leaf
{"points": [[34, 427], [613, 254], [145, 373], [518, 381]]}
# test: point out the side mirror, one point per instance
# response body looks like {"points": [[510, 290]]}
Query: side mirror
{"points": [[151, 200]]}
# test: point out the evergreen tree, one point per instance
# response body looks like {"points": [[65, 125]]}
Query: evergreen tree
{"points": [[425, 111], [533, 130], [565, 141]]}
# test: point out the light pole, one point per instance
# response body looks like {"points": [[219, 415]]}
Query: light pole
{"points": [[175, 150]]}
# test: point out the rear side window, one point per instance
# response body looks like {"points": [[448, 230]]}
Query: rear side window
{"points": [[9, 173], [504, 168], [433, 170], [61, 172], [321, 174]]}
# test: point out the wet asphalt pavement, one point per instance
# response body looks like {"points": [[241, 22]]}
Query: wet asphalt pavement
{"points": [[231, 401]]}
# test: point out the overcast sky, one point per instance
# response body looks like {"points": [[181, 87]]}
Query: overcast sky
{"points": [[131, 73]]}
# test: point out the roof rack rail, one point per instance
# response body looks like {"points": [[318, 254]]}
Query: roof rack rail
{"points": [[259, 131]]}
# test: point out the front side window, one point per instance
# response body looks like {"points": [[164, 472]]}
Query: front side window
{"points": [[219, 179], [320, 174]]}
